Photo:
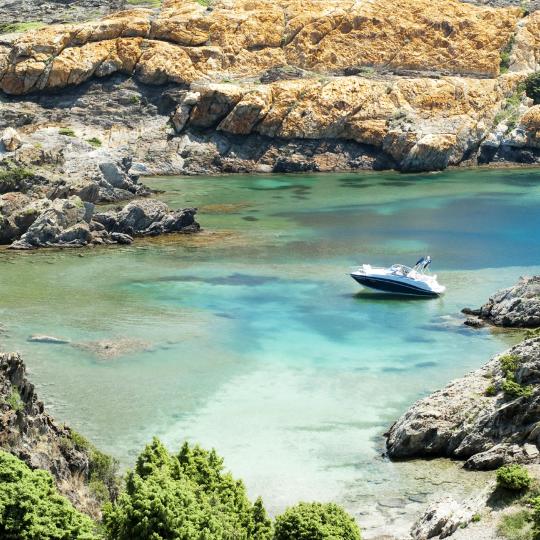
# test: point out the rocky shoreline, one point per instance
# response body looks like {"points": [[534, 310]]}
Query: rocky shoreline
{"points": [[487, 419]]}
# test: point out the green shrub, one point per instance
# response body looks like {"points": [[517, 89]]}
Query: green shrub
{"points": [[68, 132], [535, 505], [505, 56], [513, 389], [476, 518], [31, 508], [15, 178], [310, 521], [516, 526], [509, 364], [490, 391], [14, 399], [94, 141], [513, 477], [153, 3], [532, 87], [186, 496]]}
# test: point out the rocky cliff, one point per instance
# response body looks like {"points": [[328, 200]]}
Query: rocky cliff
{"points": [[290, 85], [488, 418], [514, 307], [30, 433], [192, 87]]}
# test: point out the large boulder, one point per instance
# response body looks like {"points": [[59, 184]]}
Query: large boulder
{"points": [[148, 217], [62, 222], [488, 418], [10, 139], [517, 306]]}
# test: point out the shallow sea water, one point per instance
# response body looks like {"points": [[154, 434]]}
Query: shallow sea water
{"points": [[250, 337]]}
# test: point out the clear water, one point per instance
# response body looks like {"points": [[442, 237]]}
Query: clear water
{"points": [[252, 338]]}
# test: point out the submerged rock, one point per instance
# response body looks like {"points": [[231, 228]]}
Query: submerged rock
{"points": [[114, 348], [489, 417], [517, 306], [47, 339]]}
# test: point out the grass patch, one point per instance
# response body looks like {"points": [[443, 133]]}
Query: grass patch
{"points": [[505, 56], [14, 400], [511, 388], [68, 132], [204, 3], [95, 142], [9, 28], [516, 526], [152, 3], [15, 179]]}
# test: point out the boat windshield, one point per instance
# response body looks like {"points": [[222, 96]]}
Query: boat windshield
{"points": [[400, 269]]}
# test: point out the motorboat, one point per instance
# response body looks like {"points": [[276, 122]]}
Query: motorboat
{"points": [[400, 279]]}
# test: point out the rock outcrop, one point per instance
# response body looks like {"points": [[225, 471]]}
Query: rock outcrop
{"points": [[286, 86], [30, 433], [488, 418], [516, 307], [70, 222], [444, 517]]}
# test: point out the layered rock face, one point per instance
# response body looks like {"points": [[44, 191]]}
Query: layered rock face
{"points": [[488, 418], [30, 433], [368, 85], [517, 306]]}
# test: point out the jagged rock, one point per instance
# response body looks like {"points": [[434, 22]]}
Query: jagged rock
{"points": [[467, 421], [62, 222], [113, 348], [443, 518], [11, 139], [30, 433], [148, 217], [517, 306]]}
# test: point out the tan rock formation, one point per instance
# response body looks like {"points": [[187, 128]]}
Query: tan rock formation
{"points": [[185, 42], [415, 120]]}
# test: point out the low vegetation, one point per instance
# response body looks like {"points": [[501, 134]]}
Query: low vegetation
{"points": [[509, 112], [151, 3], [186, 496], [532, 87], [191, 498], [9, 28], [31, 507], [309, 521], [505, 56], [68, 132], [14, 178], [95, 142], [517, 525], [14, 400], [513, 477], [103, 469], [511, 388]]}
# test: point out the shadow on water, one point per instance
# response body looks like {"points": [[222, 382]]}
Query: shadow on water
{"points": [[379, 296]]}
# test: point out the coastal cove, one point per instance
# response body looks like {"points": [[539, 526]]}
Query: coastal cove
{"points": [[250, 337]]}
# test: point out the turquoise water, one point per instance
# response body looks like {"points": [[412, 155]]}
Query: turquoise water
{"points": [[252, 338]]}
